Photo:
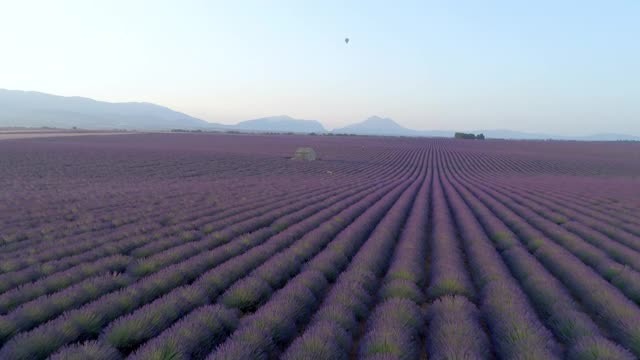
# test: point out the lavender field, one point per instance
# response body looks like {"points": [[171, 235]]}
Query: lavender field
{"points": [[203, 246]]}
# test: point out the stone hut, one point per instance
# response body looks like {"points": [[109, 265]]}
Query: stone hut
{"points": [[305, 153]]}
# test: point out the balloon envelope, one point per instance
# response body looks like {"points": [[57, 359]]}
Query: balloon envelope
{"points": [[346, 40]]}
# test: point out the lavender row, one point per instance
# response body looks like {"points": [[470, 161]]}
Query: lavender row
{"points": [[52, 233], [335, 325], [244, 207], [193, 336], [89, 350], [623, 277], [258, 335], [407, 270], [280, 318], [603, 222], [165, 309], [455, 330], [449, 275], [245, 294], [256, 204], [625, 248], [112, 306], [80, 247], [594, 206], [619, 315], [599, 227], [603, 218], [250, 214], [129, 331], [9, 280], [621, 253], [153, 221], [33, 313], [515, 327], [277, 219], [10, 299], [89, 320], [101, 209], [552, 301], [394, 328], [130, 298], [396, 325], [254, 289]]}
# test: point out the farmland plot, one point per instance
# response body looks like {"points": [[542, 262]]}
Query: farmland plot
{"points": [[201, 246]]}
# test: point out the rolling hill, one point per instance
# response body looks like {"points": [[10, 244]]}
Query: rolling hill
{"points": [[376, 125], [35, 109], [282, 123]]}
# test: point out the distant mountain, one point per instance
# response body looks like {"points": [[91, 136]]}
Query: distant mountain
{"points": [[510, 134], [282, 123], [376, 125], [517, 135], [35, 109], [609, 137]]}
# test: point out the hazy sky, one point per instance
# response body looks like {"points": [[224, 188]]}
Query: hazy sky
{"points": [[563, 66]]}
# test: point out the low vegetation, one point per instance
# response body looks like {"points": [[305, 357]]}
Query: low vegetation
{"points": [[468, 136]]}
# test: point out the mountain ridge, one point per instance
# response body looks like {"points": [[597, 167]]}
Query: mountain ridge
{"points": [[376, 125], [281, 123], [37, 109]]}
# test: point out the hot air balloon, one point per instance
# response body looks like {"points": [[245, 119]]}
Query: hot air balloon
{"points": [[346, 40]]}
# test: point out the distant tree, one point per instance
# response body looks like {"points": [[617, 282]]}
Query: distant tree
{"points": [[461, 135], [469, 136]]}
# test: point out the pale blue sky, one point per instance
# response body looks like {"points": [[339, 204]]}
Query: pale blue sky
{"points": [[563, 66]]}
